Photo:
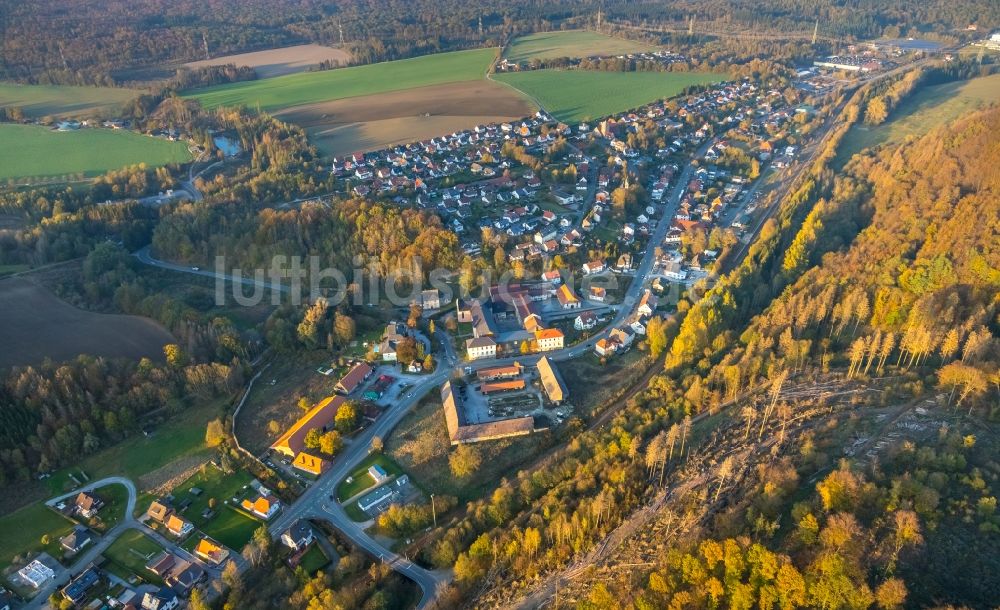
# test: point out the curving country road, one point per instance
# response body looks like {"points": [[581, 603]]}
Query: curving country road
{"points": [[95, 549]]}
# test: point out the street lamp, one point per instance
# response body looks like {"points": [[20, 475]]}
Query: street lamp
{"points": [[434, 512]]}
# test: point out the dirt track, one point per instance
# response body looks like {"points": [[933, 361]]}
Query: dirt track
{"points": [[376, 121], [36, 325]]}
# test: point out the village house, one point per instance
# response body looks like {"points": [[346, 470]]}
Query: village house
{"points": [[647, 303], [87, 504], [298, 536], [263, 506], [163, 598], [395, 332], [310, 464], [211, 551], [597, 293], [178, 526], [78, 538], [585, 321], [430, 299], [481, 347], [593, 267], [549, 339]]}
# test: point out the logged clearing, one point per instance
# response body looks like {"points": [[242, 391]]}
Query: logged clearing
{"points": [[579, 95], [924, 110], [373, 122], [273, 94], [571, 43], [37, 325], [278, 62], [39, 152], [64, 101]]}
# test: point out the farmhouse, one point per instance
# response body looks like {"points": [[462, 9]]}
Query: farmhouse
{"points": [[499, 372], [358, 374], [567, 298], [552, 382], [508, 385], [460, 430], [319, 418]]}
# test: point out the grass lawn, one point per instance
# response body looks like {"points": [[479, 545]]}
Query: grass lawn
{"points": [[231, 527], [36, 151], [181, 436], [420, 444], [129, 554], [213, 483], [571, 43], [311, 87], [314, 559], [578, 95], [115, 502], [928, 108], [22, 531], [9, 269], [61, 100], [362, 480]]}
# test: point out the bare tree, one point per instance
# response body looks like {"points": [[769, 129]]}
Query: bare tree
{"points": [[725, 469], [775, 392]]}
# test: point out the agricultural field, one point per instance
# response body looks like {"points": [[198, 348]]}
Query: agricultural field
{"points": [[37, 324], [284, 92], [33, 151], [39, 101], [373, 122], [582, 95], [926, 109], [571, 43], [278, 62]]}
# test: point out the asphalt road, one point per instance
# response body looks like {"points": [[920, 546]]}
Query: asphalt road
{"points": [[95, 549]]}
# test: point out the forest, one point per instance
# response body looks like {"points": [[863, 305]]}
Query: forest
{"points": [[887, 253], [97, 42]]}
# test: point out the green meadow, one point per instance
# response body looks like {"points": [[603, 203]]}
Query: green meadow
{"points": [[924, 110], [312, 87], [64, 101], [579, 95], [36, 151], [571, 43]]}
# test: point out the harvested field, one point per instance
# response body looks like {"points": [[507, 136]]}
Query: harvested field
{"points": [[277, 62], [373, 122], [37, 325]]}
